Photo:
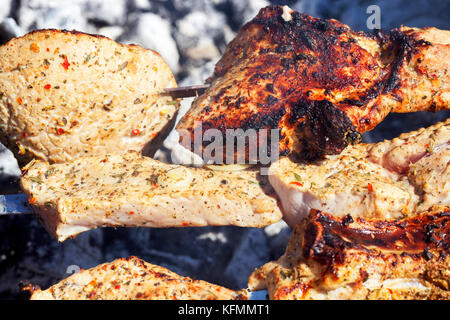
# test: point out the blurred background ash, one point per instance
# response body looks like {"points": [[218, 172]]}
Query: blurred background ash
{"points": [[190, 35]]}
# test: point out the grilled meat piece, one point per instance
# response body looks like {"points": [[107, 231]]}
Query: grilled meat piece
{"points": [[387, 180], [317, 82], [351, 258], [67, 94], [132, 279], [134, 191]]}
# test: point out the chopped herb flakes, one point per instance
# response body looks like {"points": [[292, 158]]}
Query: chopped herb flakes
{"points": [[49, 172], [36, 179], [88, 57], [122, 66], [119, 176]]}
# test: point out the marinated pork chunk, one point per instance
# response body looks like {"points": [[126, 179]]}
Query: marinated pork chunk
{"points": [[345, 258], [387, 180], [67, 94], [318, 82], [132, 279], [134, 191]]}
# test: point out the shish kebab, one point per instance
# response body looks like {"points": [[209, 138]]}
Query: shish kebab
{"points": [[407, 52], [316, 82], [11, 204], [432, 162], [386, 180]]}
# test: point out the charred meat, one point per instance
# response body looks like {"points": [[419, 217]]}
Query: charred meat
{"points": [[318, 83], [352, 258]]}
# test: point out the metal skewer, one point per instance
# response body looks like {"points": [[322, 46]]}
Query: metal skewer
{"points": [[18, 203], [186, 92], [14, 204]]}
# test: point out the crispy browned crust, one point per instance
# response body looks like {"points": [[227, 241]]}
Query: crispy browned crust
{"points": [[320, 83], [326, 238], [326, 253]]}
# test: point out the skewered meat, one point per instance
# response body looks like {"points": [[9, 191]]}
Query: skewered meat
{"points": [[130, 191], [67, 94], [386, 180], [317, 81], [345, 258], [132, 279]]}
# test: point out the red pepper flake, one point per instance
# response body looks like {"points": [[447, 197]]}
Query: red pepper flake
{"points": [[19, 100], [427, 146], [60, 131], [117, 287], [131, 212], [32, 200], [136, 132], [185, 224], [48, 50], [370, 187], [24, 134], [47, 86], [422, 69], [297, 183], [66, 63]]}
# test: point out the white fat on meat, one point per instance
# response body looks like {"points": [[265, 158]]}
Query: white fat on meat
{"points": [[387, 180]]}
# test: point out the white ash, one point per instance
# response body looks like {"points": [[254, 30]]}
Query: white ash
{"points": [[110, 12], [153, 32], [69, 15], [213, 236], [197, 32], [141, 4], [8, 164], [9, 29], [112, 32], [244, 11], [252, 252], [5, 9]]}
